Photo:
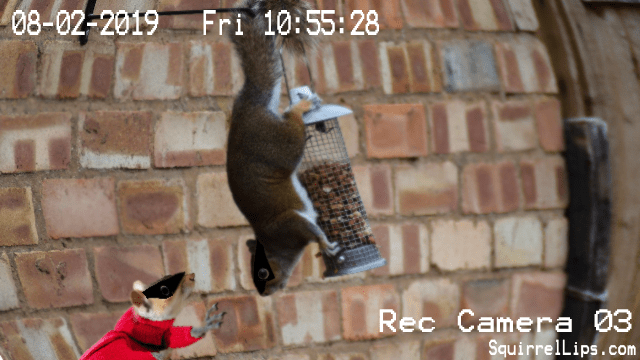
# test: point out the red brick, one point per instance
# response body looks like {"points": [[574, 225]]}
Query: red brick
{"points": [[398, 69], [140, 79], [475, 16], [152, 207], [7, 8], [248, 325], [19, 59], [409, 67], [35, 142], [524, 14], [490, 188], [344, 65], [370, 64], [8, 292], [361, 311], [460, 245], [216, 207], [389, 15], [458, 126], [486, 298], [441, 350], [430, 13], [193, 22], [193, 315], [70, 70], [117, 268], [515, 128], [395, 130], [438, 299], [518, 241], [525, 66], [308, 317], [374, 186], [537, 294], [544, 183], [55, 278], [17, 217], [91, 327], [509, 69], [101, 76], [426, 189], [405, 350], [79, 207], [34, 338], [190, 139], [405, 247], [212, 261], [214, 69], [549, 124], [115, 139]]}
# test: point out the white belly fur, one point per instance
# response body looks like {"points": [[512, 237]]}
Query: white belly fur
{"points": [[308, 213]]}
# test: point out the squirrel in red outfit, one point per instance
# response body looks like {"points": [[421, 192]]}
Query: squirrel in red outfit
{"points": [[146, 331]]}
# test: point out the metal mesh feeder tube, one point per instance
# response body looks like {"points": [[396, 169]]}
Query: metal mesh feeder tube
{"points": [[326, 174]]}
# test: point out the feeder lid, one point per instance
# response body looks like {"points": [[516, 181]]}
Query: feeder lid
{"points": [[319, 112]]}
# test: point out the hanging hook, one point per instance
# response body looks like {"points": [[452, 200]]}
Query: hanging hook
{"points": [[306, 62], [286, 80]]}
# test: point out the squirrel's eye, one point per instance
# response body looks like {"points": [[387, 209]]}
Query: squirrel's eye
{"points": [[263, 274], [165, 290]]}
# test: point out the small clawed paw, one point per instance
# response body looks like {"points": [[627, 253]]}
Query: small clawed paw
{"points": [[332, 249], [304, 105], [212, 320]]}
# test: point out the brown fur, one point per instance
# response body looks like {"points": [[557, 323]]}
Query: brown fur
{"points": [[265, 148]]}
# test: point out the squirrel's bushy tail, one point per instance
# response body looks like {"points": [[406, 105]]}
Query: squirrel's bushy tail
{"points": [[258, 52]]}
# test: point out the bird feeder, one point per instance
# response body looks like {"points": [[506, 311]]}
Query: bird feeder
{"points": [[326, 174]]}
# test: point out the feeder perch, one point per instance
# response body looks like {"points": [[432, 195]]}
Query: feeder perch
{"points": [[326, 174]]}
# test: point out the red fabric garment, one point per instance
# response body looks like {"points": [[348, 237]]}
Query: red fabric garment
{"points": [[134, 338]]}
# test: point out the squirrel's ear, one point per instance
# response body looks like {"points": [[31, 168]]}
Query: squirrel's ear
{"points": [[251, 244], [138, 299]]}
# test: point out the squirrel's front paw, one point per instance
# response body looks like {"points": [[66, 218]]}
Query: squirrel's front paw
{"points": [[212, 320], [303, 106]]}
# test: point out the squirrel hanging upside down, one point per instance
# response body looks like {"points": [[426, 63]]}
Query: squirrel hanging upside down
{"points": [[146, 331], [265, 148]]}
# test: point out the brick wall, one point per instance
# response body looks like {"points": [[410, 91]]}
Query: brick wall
{"points": [[112, 170]]}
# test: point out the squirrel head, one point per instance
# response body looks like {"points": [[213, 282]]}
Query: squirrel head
{"points": [[270, 271], [165, 298]]}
